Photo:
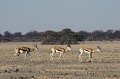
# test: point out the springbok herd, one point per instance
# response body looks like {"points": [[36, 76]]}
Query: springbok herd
{"points": [[60, 50], [31, 60]]}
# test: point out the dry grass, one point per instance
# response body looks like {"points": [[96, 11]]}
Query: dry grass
{"points": [[106, 65]]}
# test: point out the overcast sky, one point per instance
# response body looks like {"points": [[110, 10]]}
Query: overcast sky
{"points": [[41, 15]]}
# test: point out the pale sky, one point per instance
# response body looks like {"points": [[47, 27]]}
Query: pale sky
{"points": [[41, 15]]}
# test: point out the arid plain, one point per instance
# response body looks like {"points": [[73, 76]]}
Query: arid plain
{"points": [[105, 65]]}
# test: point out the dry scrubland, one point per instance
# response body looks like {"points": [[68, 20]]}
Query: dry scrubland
{"points": [[106, 65]]}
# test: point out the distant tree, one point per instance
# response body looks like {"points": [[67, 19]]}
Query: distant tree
{"points": [[0, 37], [49, 37], [117, 34], [62, 37], [32, 34], [66, 31], [17, 34], [68, 36], [109, 34], [49, 33], [97, 35], [82, 35], [7, 34]]}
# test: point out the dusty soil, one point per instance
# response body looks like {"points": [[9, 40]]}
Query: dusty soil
{"points": [[105, 65]]}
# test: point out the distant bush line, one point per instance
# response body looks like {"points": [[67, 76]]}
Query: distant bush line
{"points": [[66, 36]]}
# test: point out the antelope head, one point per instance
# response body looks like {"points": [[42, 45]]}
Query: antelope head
{"points": [[99, 49], [36, 47], [68, 48]]}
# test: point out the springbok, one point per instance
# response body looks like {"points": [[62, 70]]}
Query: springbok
{"points": [[89, 51], [60, 50], [25, 50]]}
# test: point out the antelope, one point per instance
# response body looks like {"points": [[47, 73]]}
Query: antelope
{"points": [[89, 51], [25, 50], [60, 50]]}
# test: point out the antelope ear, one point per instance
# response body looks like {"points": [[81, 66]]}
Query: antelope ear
{"points": [[68, 45], [35, 45], [99, 47]]}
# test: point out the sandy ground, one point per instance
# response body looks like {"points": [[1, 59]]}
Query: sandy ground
{"points": [[105, 65]]}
